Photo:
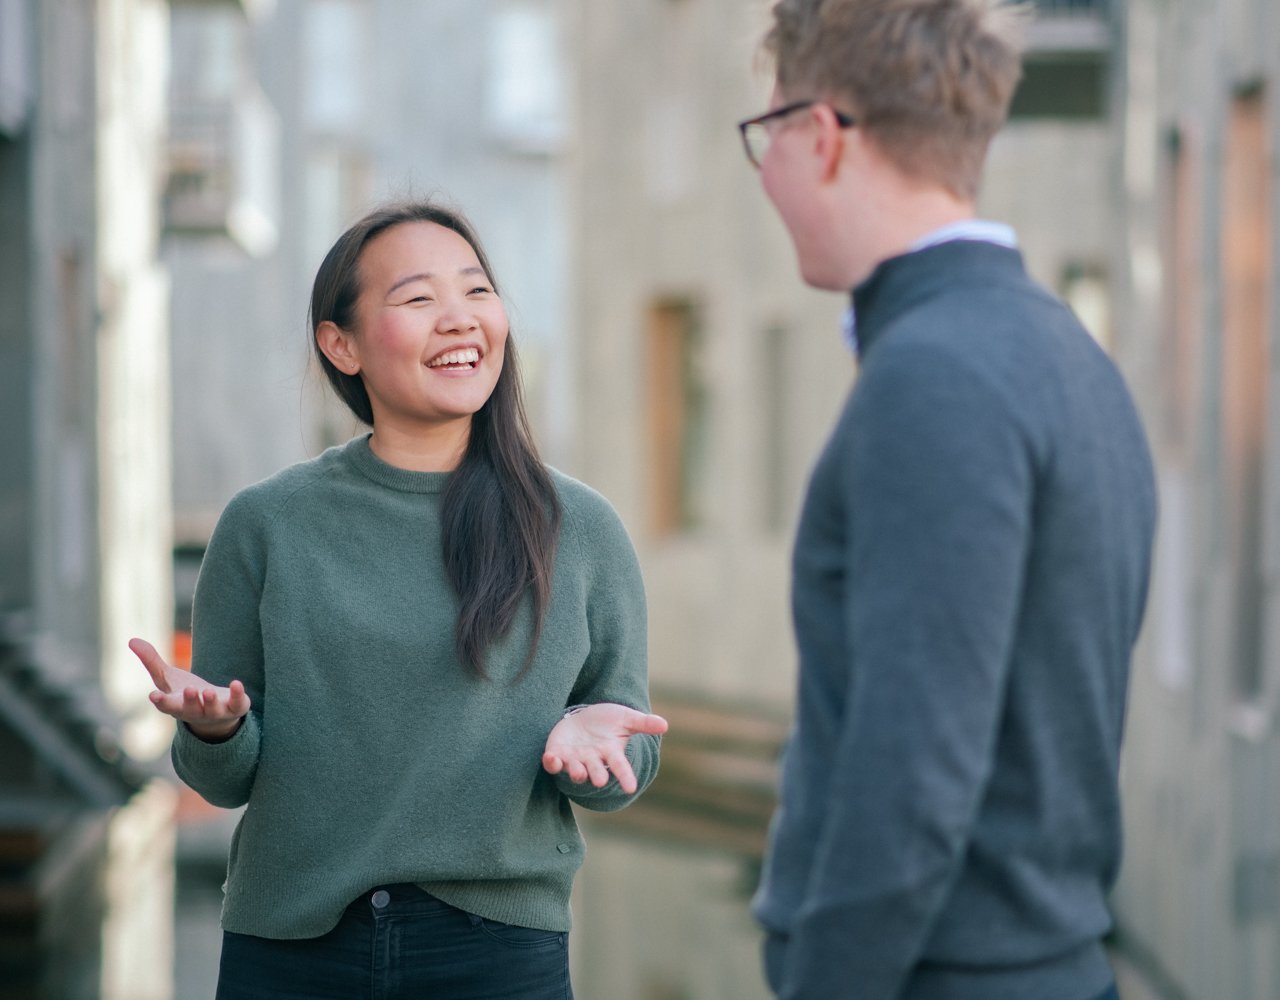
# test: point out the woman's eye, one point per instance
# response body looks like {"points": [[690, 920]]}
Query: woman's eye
{"points": [[481, 289]]}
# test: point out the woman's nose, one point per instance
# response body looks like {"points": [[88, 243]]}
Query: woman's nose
{"points": [[456, 318]]}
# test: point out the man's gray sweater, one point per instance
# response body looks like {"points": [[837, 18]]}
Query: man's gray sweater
{"points": [[970, 574]]}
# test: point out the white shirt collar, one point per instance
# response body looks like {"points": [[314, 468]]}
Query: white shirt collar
{"points": [[980, 230]]}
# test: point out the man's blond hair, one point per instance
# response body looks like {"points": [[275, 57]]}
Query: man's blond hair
{"points": [[929, 81]]}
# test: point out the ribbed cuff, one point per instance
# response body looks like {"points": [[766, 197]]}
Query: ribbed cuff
{"points": [[220, 772]]}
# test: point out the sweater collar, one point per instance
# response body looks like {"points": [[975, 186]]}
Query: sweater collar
{"points": [[980, 230], [899, 283], [369, 465]]}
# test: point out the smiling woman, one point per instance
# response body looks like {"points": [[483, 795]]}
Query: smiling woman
{"points": [[426, 337], [410, 654]]}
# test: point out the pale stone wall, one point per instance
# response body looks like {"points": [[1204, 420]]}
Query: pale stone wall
{"points": [[98, 520], [666, 205], [133, 493], [1200, 890]]}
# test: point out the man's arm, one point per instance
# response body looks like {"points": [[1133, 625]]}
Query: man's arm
{"points": [[938, 483]]}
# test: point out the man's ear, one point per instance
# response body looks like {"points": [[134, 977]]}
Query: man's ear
{"points": [[829, 140], [339, 347]]}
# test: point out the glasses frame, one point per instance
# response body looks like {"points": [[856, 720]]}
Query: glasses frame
{"points": [[758, 124]]}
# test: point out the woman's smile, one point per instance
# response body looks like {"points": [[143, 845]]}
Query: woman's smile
{"points": [[456, 359]]}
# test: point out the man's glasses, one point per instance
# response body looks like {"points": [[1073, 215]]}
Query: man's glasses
{"points": [[757, 133]]}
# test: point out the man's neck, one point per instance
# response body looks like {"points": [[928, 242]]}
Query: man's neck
{"points": [[889, 213], [909, 219]]}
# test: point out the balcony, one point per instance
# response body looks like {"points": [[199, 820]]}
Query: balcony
{"points": [[223, 171]]}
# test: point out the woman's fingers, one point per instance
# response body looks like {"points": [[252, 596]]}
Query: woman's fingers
{"points": [[621, 769], [645, 722], [238, 703], [597, 772], [552, 764], [187, 697], [153, 662], [593, 768], [590, 743]]}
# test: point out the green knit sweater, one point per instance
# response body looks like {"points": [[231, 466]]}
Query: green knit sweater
{"points": [[370, 755]]}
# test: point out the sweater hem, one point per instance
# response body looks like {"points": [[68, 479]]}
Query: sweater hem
{"points": [[1077, 975], [298, 911]]}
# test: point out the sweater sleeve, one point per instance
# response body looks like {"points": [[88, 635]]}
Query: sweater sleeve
{"points": [[616, 668], [226, 646], [937, 478]]}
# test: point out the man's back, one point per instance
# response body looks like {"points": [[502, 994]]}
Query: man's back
{"points": [[970, 574]]}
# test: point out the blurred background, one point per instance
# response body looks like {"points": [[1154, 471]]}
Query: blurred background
{"points": [[172, 172]]}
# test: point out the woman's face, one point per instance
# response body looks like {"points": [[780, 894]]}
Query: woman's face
{"points": [[431, 331]]}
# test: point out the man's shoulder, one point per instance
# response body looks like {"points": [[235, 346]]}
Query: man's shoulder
{"points": [[1009, 330]]}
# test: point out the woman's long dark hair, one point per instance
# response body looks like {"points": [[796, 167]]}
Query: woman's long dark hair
{"points": [[500, 517]]}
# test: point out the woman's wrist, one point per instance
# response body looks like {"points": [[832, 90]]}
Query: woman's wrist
{"points": [[214, 732]]}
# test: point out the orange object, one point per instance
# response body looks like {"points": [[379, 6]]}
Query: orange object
{"points": [[181, 649]]}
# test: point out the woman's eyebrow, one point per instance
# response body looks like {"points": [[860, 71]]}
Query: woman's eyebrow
{"points": [[409, 279], [427, 276]]}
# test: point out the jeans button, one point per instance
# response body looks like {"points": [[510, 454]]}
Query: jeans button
{"points": [[380, 899]]}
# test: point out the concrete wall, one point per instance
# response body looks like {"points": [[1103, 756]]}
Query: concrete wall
{"points": [[85, 495], [667, 208], [1200, 891]]}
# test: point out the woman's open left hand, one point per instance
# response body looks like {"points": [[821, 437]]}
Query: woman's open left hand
{"points": [[592, 741]]}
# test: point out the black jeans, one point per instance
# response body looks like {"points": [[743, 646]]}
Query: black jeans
{"points": [[395, 943]]}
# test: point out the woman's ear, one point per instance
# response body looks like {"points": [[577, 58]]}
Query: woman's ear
{"points": [[339, 347]]}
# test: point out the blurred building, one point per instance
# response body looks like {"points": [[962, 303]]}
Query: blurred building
{"points": [[85, 836], [1195, 199]]}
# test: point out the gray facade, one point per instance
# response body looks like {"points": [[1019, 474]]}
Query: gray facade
{"points": [[84, 500], [1196, 195]]}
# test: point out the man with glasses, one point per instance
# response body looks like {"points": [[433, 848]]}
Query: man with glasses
{"points": [[971, 564]]}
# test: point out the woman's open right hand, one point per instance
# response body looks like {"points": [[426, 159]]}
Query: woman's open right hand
{"points": [[213, 713]]}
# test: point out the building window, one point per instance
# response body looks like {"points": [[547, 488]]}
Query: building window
{"points": [[1184, 296], [525, 98], [1246, 261], [335, 68], [1181, 363], [223, 158], [1086, 290], [677, 416]]}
